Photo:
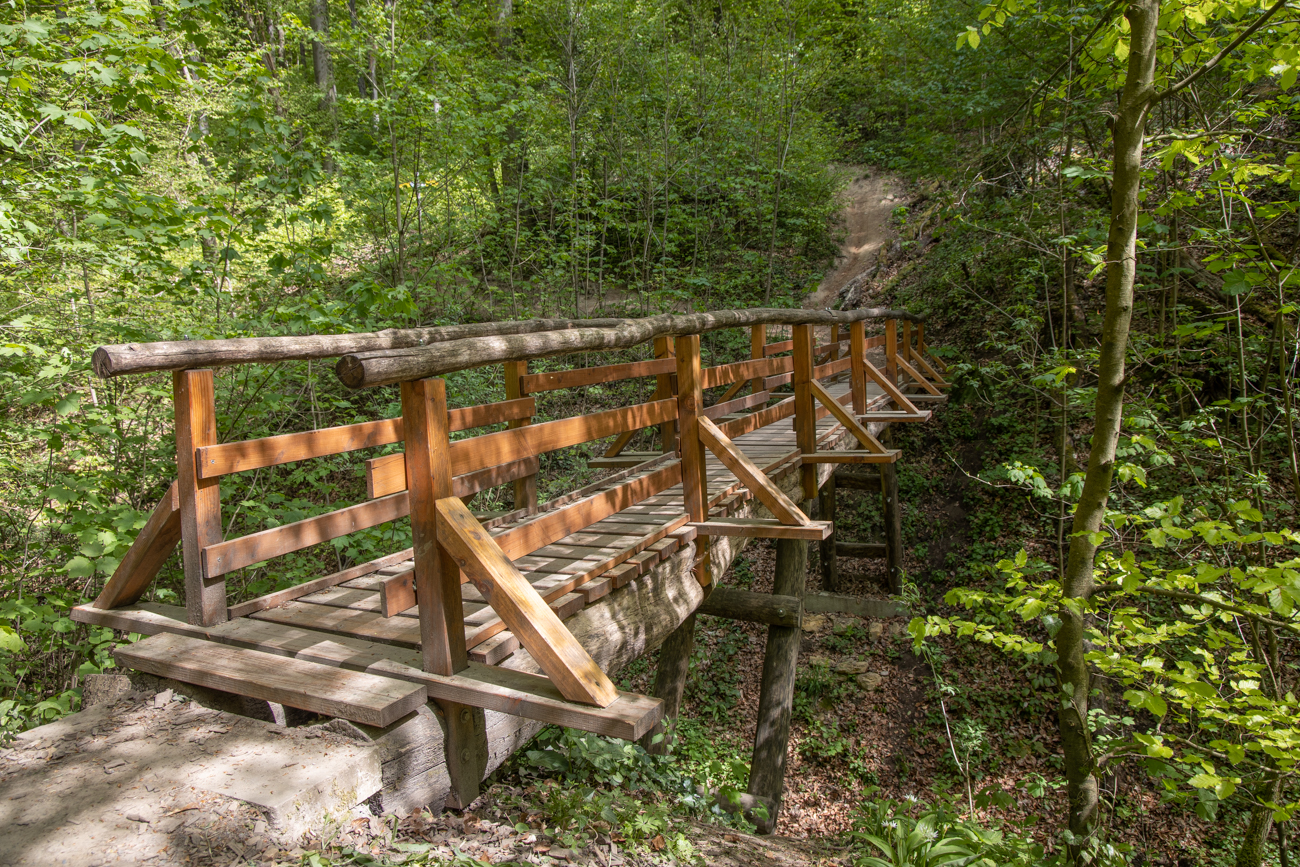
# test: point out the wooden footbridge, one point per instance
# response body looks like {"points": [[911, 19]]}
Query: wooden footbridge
{"points": [[451, 653]]}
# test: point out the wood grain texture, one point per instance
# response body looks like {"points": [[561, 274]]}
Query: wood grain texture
{"points": [[844, 417], [734, 459], [917, 377], [194, 397], [356, 696], [225, 557], [538, 382], [852, 457], [764, 417], [279, 597], [723, 408], [536, 626], [712, 377], [736, 604], [387, 475], [147, 554], [805, 421], [857, 372], [763, 528], [864, 550]]}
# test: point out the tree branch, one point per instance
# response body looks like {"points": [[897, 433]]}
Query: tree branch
{"points": [[1222, 606], [1214, 61]]}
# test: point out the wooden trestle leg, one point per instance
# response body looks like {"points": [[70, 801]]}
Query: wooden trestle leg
{"points": [[826, 512], [437, 583], [893, 527], [776, 694], [670, 680]]}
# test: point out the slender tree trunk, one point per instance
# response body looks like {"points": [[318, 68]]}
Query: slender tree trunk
{"points": [[1121, 266], [320, 53]]}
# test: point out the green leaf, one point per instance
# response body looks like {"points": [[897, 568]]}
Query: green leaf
{"points": [[9, 639], [79, 567], [68, 404]]}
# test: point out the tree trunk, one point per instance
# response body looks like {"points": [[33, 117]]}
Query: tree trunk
{"points": [[320, 53], [1121, 259]]}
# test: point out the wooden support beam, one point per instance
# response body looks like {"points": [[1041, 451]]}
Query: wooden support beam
{"points": [[776, 690], [862, 550], [437, 580], [526, 487], [622, 461], [620, 442], [890, 387], [828, 548], [805, 421], [757, 344], [852, 457], [858, 373], [670, 682], [690, 403], [938, 380], [518, 604], [919, 379], [147, 554], [844, 417], [834, 603], [725, 408], [895, 415], [539, 382], [279, 597], [858, 481], [665, 388], [891, 350], [893, 527], [194, 395], [761, 528], [736, 604], [734, 459]]}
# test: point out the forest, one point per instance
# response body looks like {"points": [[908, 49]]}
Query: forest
{"points": [[1094, 205]]}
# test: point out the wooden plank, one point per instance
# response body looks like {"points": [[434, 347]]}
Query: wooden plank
{"points": [[844, 417], [760, 528], [194, 396], [733, 390], [895, 415], [397, 594], [832, 369], [387, 475], [495, 649], [712, 377], [777, 348], [625, 460], [774, 382], [852, 457], [356, 696], [538, 382], [549, 527], [147, 554], [828, 603], [858, 373], [146, 618], [781, 506], [279, 597], [510, 445], [718, 410], [920, 380], [764, 417], [225, 557], [620, 442], [536, 626], [371, 625]]}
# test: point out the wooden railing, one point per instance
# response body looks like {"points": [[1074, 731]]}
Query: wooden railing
{"points": [[432, 476]]}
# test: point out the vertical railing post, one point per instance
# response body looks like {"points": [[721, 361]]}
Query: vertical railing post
{"points": [[526, 487], [666, 387], [805, 417], [891, 351], [835, 343], [437, 581], [194, 395], [757, 347], [690, 402], [858, 359], [907, 340]]}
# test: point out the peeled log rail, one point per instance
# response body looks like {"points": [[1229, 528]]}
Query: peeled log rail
{"points": [[125, 358], [369, 369]]}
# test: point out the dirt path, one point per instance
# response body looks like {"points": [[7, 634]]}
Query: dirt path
{"points": [[868, 203]]}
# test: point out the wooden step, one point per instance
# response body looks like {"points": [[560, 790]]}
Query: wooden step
{"points": [[352, 695]]}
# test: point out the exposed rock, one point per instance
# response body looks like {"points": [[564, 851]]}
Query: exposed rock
{"points": [[869, 681]]}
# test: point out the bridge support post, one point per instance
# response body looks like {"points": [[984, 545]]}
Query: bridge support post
{"points": [[437, 583], [776, 694], [830, 567], [670, 680], [893, 525]]}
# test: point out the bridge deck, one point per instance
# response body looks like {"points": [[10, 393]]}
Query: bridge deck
{"points": [[353, 607]]}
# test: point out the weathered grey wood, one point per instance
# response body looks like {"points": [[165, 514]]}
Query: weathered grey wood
{"points": [[863, 550], [776, 692], [828, 548], [736, 604], [893, 527], [124, 358], [352, 695], [365, 369], [858, 481], [670, 682], [832, 603]]}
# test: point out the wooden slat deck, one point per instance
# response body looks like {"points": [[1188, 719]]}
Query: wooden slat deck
{"points": [[353, 608]]}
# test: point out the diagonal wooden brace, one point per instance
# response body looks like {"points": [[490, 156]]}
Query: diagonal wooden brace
{"points": [[147, 554], [844, 417], [523, 610], [890, 388], [920, 380], [749, 473], [935, 377]]}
